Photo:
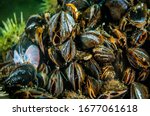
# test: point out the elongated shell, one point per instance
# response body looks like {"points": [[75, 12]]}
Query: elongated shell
{"points": [[68, 50], [103, 54], [138, 58], [75, 75], [55, 56], [91, 39], [108, 72], [92, 68], [93, 87], [138, 38], [61, 26], [139, 91], [55, 84], [129, 76], [92, 15]]}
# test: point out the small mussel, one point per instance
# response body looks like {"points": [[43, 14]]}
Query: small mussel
{"points": [[24, 75], [143, 75], [37, 28], [138, 38], [68, 50], [90, 39], [138, 91], [103, 54], [55, 83], [138, 58], [108, 72], [93, 87], [92, 68], [55, 56], [91, 16], [129, 76]]}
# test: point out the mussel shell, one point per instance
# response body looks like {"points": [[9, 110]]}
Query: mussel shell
{"points": [[138, 58], [138, 91], [90, 39], [128, 76], [68, 50], [93, 87], [61, 26], [92, 68], [33, 23], [24, 75], [80, 4], [138, 15], [108, 72], [138, 38], [117, 8], [103, 54], [55, 84], [92, 15], [143, 75], [75, 75], [55, 56]]}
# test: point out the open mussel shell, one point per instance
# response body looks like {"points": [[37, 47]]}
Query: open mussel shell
{"points": [[27, 52], [103, 54], [61, 27], [138, 15], [138, 91], [55, 83], [24, 75], [90, 39], [138, 58], [75, 75]]}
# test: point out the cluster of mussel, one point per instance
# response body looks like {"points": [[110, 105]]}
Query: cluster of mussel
{"points": [[87, 49]]}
